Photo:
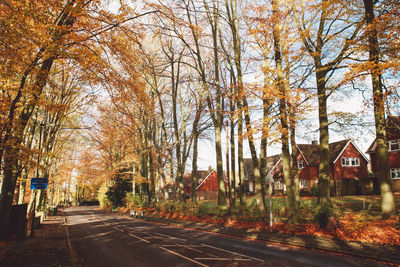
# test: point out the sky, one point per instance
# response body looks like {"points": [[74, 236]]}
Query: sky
{"points": [[353, 103]]}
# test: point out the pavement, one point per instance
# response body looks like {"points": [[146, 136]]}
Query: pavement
{"points": [[51, 244], [48, 247]]}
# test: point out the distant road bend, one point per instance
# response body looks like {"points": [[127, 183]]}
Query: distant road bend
{"points": [[102, 239]]}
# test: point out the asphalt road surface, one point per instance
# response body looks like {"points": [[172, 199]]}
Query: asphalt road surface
{"points": [[102, 239]]}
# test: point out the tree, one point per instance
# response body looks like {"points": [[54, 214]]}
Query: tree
{"points": [[35, 38], [12, 133], [387, 199], [317, 37]]}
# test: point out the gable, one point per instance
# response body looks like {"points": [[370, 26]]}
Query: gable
{"points": [[351, 150]]}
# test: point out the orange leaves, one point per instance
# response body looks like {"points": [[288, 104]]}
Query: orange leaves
{"points": [[351, 227]]}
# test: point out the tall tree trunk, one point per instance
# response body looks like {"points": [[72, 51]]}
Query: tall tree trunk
{"points": [[324, 165], [295, 170], [22, 189], [243, 105], [195, 137], [194, 166], [385, 183], [240, 158], [214, 17], [287, 173], [233, 157], [264, 136]]}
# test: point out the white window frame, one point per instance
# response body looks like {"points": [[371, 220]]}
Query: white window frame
{"points": [[303, 184], [350, 162], [300, 164], [395, 173], [394, 142], [278, 185]]}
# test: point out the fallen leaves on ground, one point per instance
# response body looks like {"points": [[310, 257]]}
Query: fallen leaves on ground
{"points": [[350, 227]]}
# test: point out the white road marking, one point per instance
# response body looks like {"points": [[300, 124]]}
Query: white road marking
{"points": [[138, 237], [222, 259], [116, 228], [232, 252], [169, 236], [184, 257], [180, 245], [190, 247]]}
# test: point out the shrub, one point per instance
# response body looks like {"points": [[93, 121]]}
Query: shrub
{"points": [[314, 191], [133, 201], [244, 211], [323, 215], [102, 196], [304, 192], [203, 209]]}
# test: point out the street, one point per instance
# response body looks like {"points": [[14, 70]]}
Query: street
{"points": [[102, 239]]}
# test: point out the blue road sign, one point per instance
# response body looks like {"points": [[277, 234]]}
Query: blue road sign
{"points": [[39, 183]]}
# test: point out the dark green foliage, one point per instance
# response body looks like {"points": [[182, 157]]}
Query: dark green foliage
{"points": [[323, 215], [116, 194], [314, 191]]}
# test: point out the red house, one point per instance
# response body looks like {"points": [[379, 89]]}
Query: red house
{"points": [[348, 168], [393, 139], [207, 184]]}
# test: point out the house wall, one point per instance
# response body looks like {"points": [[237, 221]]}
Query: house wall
{"points": [[345, 172], [394, 159], [394, 162], [313, 170], [211, 184], [309, 172], [207, 195], [396, 185], [304, 174]]}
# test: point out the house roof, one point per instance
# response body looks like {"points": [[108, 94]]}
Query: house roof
{"points": [[271, 163], [248, 166], [392, 132], [393, 127], [310, 152], [203, 176]]}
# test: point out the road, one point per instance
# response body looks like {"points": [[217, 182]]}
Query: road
{"points": [[102, 239]]}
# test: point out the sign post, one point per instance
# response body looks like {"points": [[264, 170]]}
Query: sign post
{"points": [[270, 181], [36, 183], [39, 183]]}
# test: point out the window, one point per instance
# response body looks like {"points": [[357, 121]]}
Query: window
{"points": [[303, 184], [394, 145], [348, 162], [300, 164], [395, 173], [278, 185]]}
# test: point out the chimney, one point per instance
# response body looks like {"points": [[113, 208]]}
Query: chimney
{"points": [[314, 142]]}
